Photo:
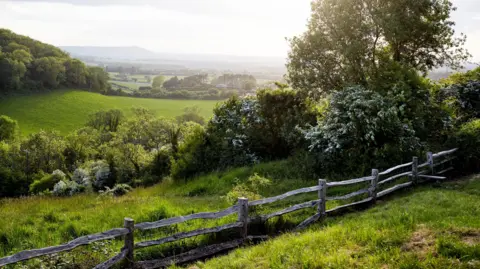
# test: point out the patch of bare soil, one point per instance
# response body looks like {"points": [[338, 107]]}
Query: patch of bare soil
{"points": [[421, 242]]}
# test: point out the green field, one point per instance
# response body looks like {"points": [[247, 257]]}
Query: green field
{"points": [[399, 232], [66, 111]]}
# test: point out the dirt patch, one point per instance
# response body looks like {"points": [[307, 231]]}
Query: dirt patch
{"points": [[421, 242], [470, 237]]}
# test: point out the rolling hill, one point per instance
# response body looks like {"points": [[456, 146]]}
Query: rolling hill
{"points": [[68, 110], [126, 53]]}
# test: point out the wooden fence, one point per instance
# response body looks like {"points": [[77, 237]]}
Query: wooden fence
{"points": [[415, 173]]}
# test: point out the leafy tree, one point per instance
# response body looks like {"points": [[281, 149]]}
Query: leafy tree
{"points": [[49, 71], [173, 82], [8, 128], [348, 40], [158, 81], [43, 151], [97, 79], [191, 114], [76, 72], [106, 121]]}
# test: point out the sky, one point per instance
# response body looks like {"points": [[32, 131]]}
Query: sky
{"points": [[230, 27]]}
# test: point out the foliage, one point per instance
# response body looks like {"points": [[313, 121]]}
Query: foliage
{"points": [[360, 130], [467, 139], [29, 65], [67, 188], [43, 151], [347, 41], [191, 114], [238, 81], [461, 100], [245, 131], [250, 189], [48, 182], [8, 128], [158, 82], [117, 190], [106, 121]]}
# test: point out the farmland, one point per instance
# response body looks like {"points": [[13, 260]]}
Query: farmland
{"points": [[68, 110]]}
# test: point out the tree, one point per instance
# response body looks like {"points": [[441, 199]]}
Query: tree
{"points": [[158, 82], [106, 121], [348, 40], [8, 128], [97, 79], [49, 71], [76, 73]]}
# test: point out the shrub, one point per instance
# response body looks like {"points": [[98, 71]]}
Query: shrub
{"points": [[250, 189], [467, 139], [67, 188], [462, 100], [361, 129], [117, 190], [47, 182], [8, 128]]}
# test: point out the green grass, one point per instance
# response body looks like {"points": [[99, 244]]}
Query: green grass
{"points": [[434, 226], [68, 110], [431, 226], [35, 222]]}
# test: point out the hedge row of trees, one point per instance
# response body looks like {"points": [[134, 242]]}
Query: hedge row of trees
{"points": [[28, 65]]}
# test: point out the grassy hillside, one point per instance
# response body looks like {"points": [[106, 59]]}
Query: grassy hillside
{"points": [[431, 227], [68, 110]]}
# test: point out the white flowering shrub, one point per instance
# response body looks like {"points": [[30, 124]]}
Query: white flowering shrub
{"points": [[81, 175], [67, 188], [361, 129], [59, 174]]}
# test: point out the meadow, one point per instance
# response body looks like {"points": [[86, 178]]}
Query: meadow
{"points": [[68, 110], [399, 232]]}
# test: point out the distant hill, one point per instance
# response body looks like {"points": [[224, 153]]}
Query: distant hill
{"points": [[126, 53]]}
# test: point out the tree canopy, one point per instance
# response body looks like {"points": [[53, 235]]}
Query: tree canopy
{"points": [[348, 41], [30, 65]]}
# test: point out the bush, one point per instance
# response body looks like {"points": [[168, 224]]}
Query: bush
{"points": [[8, 128], [67, 188], [249, 189], [467, 139], [47, 182], [462, 100], [117, 190], [361, 129]]}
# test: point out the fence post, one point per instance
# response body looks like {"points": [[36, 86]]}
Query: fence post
{"points": [[129, 242], [430, 162], [243, 216], [415, 170], [373, 185], [322, 196]]}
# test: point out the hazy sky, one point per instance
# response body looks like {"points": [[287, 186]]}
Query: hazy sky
{"points": [[235, 27]]}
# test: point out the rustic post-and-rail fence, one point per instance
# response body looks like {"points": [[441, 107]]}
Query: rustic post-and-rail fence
{"points": [[426, 170]]}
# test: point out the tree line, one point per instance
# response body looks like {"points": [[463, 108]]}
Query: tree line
{"points": [[28, 65]]}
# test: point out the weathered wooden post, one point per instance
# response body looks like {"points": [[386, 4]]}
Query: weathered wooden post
{"points": [[415, 170], [322, 196], [129, 242], [430, 162], [373, 185], [243, 216]]}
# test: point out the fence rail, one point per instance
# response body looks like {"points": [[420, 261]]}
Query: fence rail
{"points": [[241, 208]]}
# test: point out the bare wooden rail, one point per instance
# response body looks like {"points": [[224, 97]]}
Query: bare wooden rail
{"points": [[171, 221], [84, 240], [184, 235], [418, 171]]}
